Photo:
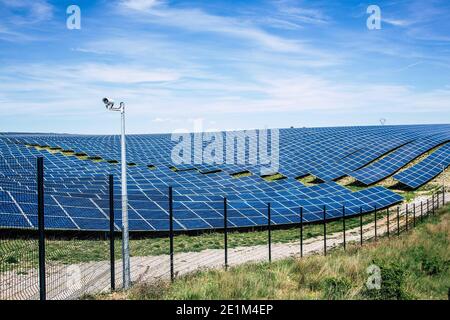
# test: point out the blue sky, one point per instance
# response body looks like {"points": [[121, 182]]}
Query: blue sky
{"points": [[222, 64]]}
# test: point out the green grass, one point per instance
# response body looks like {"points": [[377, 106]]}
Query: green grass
{"points": [[355, 188], [76, 251], [274, 177], [415, 265], [426, 190], [308, 180], [241, 174]]}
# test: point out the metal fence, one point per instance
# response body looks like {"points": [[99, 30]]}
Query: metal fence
{"points": [[39, 263], [19, 251], [19, 257], [39, 257]]}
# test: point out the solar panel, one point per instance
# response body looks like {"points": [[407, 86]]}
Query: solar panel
{"points": [[426, 169]]}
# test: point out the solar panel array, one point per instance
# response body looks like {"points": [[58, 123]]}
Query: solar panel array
{"points": [[426, 169], [399, 158], [76, 191]]}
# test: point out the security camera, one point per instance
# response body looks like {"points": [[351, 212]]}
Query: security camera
{"points": [[109, 103]]}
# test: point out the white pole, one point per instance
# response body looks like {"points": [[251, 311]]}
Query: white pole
{"points": [[125, 242]]}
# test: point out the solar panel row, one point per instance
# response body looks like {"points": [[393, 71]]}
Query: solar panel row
{"points": [[427, 169], [68, 212], [399, 158]]}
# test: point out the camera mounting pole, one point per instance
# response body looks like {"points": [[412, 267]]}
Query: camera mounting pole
{"points": [[109, 104]]}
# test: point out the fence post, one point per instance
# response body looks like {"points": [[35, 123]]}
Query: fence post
{"points": [[324, 230], [437, 200], [387, 222], [398, 221], [111, 233], [269, 232], [414, 215], [375, 225], [343, 225], [432, 204], [428, 207], [361, 225], [301, 232], [443, 195], [225, 231], [406, 217], [172, 274], [421, 211], [41, 227]]}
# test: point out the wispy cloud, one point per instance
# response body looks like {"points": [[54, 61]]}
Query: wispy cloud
{"points": [[196, 20], [139, 4], [26, 12], [411, 65], [92, 72], [123, 74], [291, 11], [397, 22], [283, 92]]}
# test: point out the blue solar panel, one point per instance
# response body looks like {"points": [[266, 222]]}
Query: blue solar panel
{"points": [[76, 191], [398, 158], [427, 169]]}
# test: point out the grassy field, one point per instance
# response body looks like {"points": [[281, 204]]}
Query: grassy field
{"points": [[414, 266]]}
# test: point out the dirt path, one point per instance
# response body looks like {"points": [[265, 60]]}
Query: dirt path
{"points": [[74, 281]]}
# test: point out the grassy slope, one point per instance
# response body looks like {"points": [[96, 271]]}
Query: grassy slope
{"points": [[414, 266]]}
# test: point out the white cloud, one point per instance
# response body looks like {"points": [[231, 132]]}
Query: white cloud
{"points": [[397, 22], [302, 15], [26, 12], [94, 72], [124, 74], [139, 4], [154, 107], [196, 20], [411, 65], [50, 86], [160, 120]]}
